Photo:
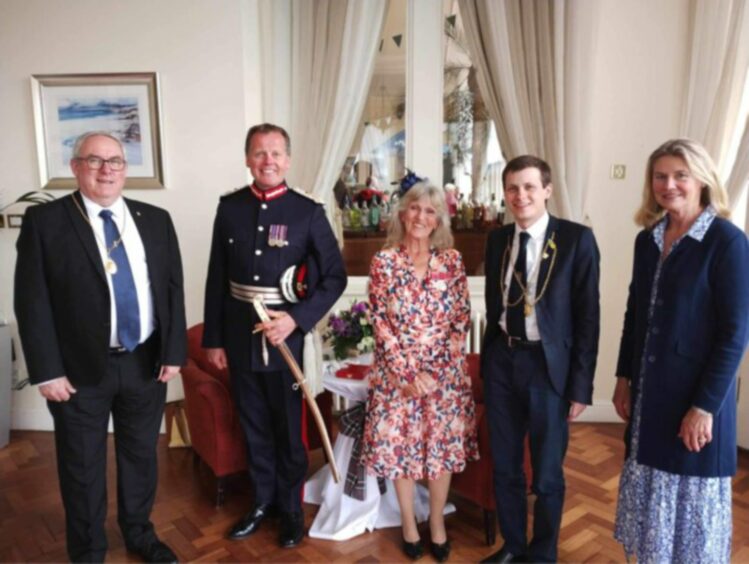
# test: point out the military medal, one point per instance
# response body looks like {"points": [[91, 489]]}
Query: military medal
{"points": [[110, 266], [277, 236]]}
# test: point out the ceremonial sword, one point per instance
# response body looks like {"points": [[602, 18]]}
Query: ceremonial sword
{"points": [[283, 348]]}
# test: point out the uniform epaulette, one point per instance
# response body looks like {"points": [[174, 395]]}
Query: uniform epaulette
{"points": [[306, 195], [231, 192]]}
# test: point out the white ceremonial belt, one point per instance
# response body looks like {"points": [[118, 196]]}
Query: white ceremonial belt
{"points": [[247, 293]]}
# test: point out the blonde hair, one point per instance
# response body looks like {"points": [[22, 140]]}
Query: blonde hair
{"points": [[700, 165], [441, 237]]}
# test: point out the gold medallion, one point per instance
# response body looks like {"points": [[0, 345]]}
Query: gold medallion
{"points": [[527, 309], [110, 266]]}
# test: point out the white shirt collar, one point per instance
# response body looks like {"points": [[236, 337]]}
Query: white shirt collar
{"points": [[537, 230], [93, 209]]}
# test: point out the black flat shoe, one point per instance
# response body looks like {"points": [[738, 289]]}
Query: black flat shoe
{"points": [[502, 556], [441, 552], [292, 529], [413, 550], [251, 522], [156, 551]]}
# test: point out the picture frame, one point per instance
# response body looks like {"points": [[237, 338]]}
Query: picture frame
{"points": [[125, 105], [15, 220]]}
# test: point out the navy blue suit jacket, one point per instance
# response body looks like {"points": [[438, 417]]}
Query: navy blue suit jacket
{"points": [[699, 331], [568, 313], [240, 252]]}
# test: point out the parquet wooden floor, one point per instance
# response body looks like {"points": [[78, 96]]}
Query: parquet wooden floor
{"points": [[32, 520]]}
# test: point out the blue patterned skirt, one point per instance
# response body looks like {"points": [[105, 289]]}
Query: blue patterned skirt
{"points": [[664, 517]]}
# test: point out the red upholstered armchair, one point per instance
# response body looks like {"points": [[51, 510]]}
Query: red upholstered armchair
{"points": [[476, 481], [212, 418]]}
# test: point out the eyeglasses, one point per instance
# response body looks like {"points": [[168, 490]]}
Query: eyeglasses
{"points": [[95, 163]]}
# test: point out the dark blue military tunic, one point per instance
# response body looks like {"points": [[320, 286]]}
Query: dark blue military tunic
{"points": [[241, 253]]}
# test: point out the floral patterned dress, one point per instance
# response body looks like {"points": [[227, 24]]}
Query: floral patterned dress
{"points": [[419, 325]]}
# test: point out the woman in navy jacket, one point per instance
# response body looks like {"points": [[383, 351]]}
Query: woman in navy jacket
{"points": [[685, 331]]}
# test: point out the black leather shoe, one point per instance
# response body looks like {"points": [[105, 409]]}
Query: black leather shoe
{"points": [[251, 522], [503, 556], [441, 552], [156, 551], [292, 529], [413, 550]]}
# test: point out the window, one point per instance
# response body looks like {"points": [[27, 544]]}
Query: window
{"points": [[377, 155], [472, 158]]}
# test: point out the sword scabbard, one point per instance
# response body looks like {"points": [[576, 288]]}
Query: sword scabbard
{"points": [[296, 371]]}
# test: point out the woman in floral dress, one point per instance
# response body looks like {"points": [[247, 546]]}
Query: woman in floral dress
{"points": [[685, 332], [420, 413]]}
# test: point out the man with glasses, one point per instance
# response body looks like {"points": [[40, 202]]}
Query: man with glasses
{"points": [[100, 309]]}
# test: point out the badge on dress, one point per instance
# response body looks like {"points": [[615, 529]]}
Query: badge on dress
{"points": [[277, 235]]}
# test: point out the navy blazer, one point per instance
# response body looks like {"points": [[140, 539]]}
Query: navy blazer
{"points": [[240, 252], [568, 314], [62, 299], [698, 334]]}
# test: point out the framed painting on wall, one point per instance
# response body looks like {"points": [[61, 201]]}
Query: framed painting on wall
{"points": [[125, 105]]}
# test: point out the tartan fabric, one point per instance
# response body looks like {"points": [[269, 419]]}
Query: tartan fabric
{"points": [[351, 424]]}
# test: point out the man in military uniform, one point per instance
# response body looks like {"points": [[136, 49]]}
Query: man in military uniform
{"points": [[260, 232]]}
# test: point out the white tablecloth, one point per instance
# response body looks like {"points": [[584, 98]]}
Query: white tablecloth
{"points": [[342, 517]]}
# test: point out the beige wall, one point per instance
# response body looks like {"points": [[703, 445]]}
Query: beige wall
{"points": [[207, 54], [196, 46], [639, 73]]}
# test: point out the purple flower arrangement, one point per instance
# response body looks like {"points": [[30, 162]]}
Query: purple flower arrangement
{"points": [[350, 330]]}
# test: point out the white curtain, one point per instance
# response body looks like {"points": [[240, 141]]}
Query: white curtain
{"points": [[718, 63], [739, 177], [334, 44], [535, 65]]}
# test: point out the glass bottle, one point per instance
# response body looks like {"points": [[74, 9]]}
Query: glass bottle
{"points": [[374, 214], [355, 217], [384, 216], [346, 213], [364, 216]]}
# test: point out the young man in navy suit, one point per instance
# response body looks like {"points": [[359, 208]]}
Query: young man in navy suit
{"points": [[538, 356]]}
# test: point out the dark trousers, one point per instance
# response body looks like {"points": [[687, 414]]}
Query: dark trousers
{"points": [[520, 400], [129, 392], [271, 415]]}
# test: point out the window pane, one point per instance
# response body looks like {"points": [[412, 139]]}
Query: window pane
{"points": [[472, 157], [377, 155]]}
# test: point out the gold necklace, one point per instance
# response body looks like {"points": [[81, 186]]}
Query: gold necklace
{"points": [[109, 265], [550, 247]]}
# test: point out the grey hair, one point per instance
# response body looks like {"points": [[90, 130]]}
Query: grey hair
{"points": [[441, 237], [88, 135]]}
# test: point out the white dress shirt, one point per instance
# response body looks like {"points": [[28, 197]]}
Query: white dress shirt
{"points": [[535, 247], [136, 256]]}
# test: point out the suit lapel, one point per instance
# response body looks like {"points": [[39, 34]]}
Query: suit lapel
{"points": [[548, 253], [145, 230], [503, 263], [85, 231]]}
